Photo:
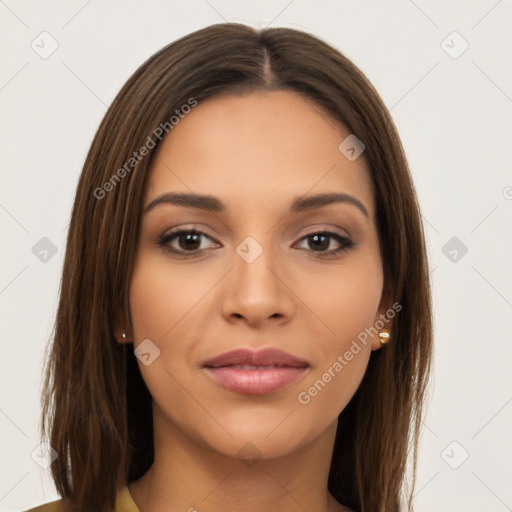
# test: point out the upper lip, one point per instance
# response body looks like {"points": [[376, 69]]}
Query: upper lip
{"points": [[264, 357]]}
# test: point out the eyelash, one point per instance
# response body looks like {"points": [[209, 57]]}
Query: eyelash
{"points": [[163, 242]]}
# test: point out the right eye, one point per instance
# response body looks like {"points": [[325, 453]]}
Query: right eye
{"points": [[185, 243]]}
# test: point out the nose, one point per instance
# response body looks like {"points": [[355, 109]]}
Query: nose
{"points": [[258, 293]]}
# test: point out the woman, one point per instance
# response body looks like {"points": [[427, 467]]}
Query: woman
{"points": [[245, 316]]}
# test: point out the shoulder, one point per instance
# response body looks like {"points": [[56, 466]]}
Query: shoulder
{"points": [[52, 506], [124, 503]]}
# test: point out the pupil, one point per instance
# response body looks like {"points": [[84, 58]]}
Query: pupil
{"points": [[189, 241], [324, 244]]}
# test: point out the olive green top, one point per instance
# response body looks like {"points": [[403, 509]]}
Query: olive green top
{"points": [[124, 503]]}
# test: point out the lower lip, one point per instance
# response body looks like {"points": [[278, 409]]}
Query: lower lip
{"points": [[255, 381]]}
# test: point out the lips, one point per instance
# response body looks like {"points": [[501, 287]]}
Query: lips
{"points": [[265, 357], [255, 373]]}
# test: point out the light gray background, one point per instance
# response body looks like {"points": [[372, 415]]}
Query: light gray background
{"points": [[453, 115]]}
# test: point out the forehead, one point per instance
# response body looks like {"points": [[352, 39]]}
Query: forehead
{"points": [[260, 148]]}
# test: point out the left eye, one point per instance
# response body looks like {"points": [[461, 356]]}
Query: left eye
{"points": [[321, 241]]}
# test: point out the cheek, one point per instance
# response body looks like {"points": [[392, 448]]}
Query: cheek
{"points": [[347, 307], [345, 300], [160, 299], [161, 303], [168, 307], [149, 300]]}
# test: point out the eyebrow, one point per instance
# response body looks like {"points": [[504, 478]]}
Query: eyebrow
{"points": [[213, 204]]}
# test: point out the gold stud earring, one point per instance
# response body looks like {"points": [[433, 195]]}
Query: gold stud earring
{"points": [[384, 337]]}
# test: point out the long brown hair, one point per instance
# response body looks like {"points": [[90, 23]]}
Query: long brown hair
{"points": [[96, 407]]}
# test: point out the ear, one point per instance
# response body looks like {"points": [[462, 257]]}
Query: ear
{"points": [[122, 336], [383, 321], [121, 332]]}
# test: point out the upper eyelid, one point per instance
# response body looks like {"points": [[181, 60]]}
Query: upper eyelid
{"points": [[181, 229]]}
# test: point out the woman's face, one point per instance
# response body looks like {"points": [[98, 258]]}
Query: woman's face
{"points": [[257, 273]]}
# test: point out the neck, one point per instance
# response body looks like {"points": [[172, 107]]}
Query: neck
{"points": [[189, 476]]}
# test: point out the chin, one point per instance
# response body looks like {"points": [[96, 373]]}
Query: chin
{"points": [[253, 447], [265, 438]]}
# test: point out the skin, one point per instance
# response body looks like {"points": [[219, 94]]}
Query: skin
{"points": [[256, 153]]}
